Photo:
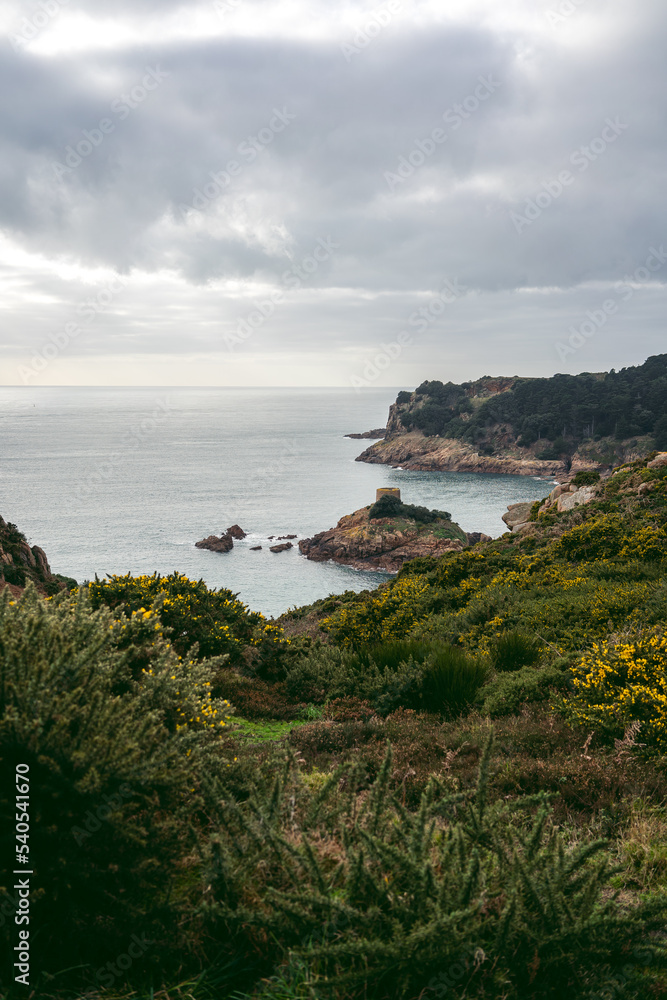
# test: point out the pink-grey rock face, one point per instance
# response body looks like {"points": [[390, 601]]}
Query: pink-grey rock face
{"points": [[382, 543], [236, 532], [659, 462], [517, 513], [215, 544], [568, 501]]}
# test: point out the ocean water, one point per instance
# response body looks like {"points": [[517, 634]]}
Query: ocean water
{"points": [[117, 480]]}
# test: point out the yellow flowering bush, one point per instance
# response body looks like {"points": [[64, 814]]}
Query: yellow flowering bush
{"points": [[390, 613], [214, 619], [622, 681]]}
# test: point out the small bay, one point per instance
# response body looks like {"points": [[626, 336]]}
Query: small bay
{"points": [[117, 480]]}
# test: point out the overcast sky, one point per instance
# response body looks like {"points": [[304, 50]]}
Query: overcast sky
{"points": [[317, 192]]}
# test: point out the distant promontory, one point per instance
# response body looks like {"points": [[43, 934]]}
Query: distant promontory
{"points": [[528, 426]]}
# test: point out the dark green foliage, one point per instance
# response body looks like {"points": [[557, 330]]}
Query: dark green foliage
{"points": [[513, 650], [563, 410], [372, 900], [660, 432], [451, 680], [586, 477], [110, 780], [14, 574], [508, 693], [391, 506], [405, 673], [403, 397]]}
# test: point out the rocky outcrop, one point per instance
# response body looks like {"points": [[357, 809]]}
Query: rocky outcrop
{"points": [[435, 454], [225, 543], [20, 562], [563, 497], [281, 548], [517, 513], [379, 432], [477, 536], [659, 462], [214, 544], [382, 543]]}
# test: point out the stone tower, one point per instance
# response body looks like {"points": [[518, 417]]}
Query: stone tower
{"points": [[387, 491]]}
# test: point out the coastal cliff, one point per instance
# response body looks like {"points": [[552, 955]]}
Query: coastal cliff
{"points": [[528, 426], [21, 562]]}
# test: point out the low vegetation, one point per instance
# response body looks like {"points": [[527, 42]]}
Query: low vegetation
{"points": [[454, 785]]}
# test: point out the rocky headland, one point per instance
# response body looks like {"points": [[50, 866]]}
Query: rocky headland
{"points": [[21, 562], [527, 426], [383, 543]]}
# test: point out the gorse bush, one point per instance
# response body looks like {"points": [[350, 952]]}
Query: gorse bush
{"points": [[368, 899], [111, 756], [213, 620], [509, 692], [621, 681]]}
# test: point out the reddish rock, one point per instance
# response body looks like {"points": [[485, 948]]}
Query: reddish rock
{"points": [[255, 548], [379, 543], [280, 548], [282, 537], [214, 544], [236, 532]]}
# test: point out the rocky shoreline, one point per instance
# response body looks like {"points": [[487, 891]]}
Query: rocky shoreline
{"points": [[416, 452]]}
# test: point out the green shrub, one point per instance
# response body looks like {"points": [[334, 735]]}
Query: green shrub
{"points": [[508, 693], [391, 506], [513, 650], [373, 900], [586, 477], [14, 574], [111, 758], [451, 680]]}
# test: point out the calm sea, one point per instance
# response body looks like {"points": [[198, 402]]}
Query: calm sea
{"points": [[116, 480]]}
